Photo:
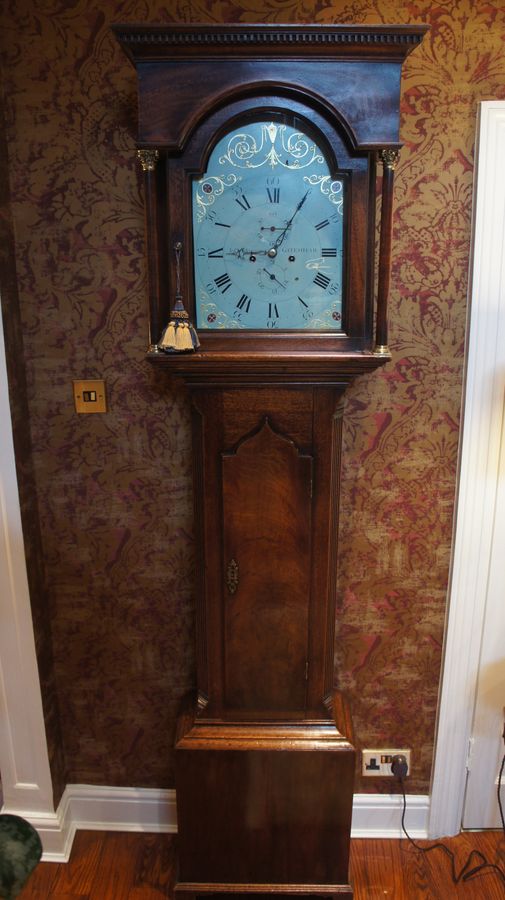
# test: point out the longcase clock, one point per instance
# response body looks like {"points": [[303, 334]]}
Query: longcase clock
{"points": [[259, 147]]}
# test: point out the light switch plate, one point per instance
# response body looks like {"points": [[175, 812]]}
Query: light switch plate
{"points": [[89, 396]]}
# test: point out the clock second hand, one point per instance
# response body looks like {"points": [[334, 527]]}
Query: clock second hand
{"points": [[274, 278]]}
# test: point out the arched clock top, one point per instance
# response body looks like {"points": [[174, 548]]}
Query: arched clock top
{"points": [[328, 132], [175, 129], [171, 104], [356, 69]]}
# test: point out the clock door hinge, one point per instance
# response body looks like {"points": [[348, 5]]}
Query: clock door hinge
{"points": [[307, 671]]}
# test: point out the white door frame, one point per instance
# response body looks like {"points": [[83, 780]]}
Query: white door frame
{"points": [[24, 762], [478, 475]]}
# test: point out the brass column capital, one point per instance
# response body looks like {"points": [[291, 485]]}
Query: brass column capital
{"points": [[148, 159], [389, 158]]}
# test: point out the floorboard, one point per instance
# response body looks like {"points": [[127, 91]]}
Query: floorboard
{"points": [[119, 866], [78, 876]]}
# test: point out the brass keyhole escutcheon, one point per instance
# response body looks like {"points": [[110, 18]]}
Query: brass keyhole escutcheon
{"points": [[232, 574]]}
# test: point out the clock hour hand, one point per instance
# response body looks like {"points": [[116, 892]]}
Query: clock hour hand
{"points": [[242, 254]]}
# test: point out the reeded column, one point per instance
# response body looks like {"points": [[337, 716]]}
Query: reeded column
{"points": [[389, 159], [148, 160]]}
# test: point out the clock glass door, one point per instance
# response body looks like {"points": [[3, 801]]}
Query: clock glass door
{"points": [[268, 232]]}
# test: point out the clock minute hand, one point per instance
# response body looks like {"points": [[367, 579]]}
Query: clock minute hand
{"points": [[283, 233]]}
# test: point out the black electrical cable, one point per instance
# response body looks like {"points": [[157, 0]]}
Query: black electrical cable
{"points": [[466, 872], [499, 792]]}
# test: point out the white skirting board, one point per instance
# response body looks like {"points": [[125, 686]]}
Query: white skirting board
{"points": [[380, 816], [97, 808]]}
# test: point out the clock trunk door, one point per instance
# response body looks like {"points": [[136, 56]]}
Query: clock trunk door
{"points": [[267, 490]]}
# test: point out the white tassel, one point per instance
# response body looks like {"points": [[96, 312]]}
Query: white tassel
{"points": [[179, 335], [168, 338]]}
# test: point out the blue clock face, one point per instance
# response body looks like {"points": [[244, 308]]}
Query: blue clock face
{"points": [[268, 219]]}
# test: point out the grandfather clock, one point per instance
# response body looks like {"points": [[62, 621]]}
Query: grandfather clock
{"points": [[259, 146]]}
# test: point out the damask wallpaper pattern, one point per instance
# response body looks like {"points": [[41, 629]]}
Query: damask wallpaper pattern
{"points": [[114, 491]]}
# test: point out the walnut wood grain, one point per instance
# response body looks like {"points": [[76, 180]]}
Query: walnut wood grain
{"points": [[333, 452], [263, 763], [200, 562], [267, 471], [271, 822], [267, 503], [271, 366], [338, 58]]}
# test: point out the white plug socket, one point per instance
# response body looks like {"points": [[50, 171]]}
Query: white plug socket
{"points": [[377, 763]]}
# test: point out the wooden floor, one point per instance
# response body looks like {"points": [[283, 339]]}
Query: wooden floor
{"points": [[113, 866]]}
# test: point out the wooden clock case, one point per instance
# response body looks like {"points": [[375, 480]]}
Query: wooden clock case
{"points": [[264, 753]]}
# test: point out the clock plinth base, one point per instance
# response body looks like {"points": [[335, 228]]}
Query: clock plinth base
{"points": [[263, 808]]}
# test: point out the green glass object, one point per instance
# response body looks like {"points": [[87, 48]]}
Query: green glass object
{"points": [[20, 851]]}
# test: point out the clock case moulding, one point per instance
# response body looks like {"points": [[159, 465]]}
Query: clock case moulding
{"points": [[264, 751]]}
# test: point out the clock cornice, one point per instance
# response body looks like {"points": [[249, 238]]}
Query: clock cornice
{"points": [[152, 42]]}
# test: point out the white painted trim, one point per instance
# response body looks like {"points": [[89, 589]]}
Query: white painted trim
{"points": [[97, 808], [55, 832], [24, 763], [485, 385], [121, 808], [380, 816]]}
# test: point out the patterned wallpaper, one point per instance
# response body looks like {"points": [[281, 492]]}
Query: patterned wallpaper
{"points": [[114, 491], [13, 338]]}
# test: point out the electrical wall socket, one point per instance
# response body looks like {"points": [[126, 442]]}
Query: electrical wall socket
{"points": [[378, 762]]}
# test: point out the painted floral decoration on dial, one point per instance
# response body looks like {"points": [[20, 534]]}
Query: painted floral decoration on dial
{"points": [[268, 233]]}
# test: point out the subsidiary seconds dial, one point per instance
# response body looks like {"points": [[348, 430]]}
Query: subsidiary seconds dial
{"points": [[268, 233]]}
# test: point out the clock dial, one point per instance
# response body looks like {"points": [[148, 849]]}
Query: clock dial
{"points": [[268, 220]]}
